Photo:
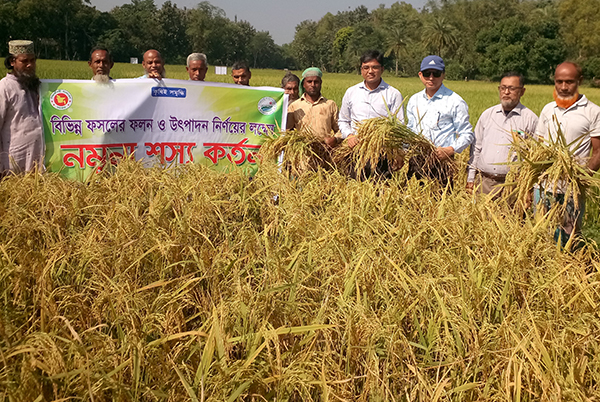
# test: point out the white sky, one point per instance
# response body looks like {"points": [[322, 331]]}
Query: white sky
{"points": [[279, 17]]}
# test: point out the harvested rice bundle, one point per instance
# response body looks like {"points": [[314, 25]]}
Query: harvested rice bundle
{"points": [[550, 163], [387, 137], [300, 150]]}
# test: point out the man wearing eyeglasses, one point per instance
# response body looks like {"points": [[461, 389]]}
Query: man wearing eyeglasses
{"points": [[372, 97], [494, 134], [438, 113]]}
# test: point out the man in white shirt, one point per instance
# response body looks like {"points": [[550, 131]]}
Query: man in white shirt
{"points": [[372, 97], [579, 120], [21, 135]]}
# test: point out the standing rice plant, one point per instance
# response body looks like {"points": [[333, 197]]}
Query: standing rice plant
{"points": [[187, 284]]}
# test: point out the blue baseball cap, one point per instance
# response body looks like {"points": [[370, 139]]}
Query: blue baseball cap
{"points": [[433, 63]]}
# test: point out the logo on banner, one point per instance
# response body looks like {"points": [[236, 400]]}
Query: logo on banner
{"points": [[267, 105], [61, 99]]}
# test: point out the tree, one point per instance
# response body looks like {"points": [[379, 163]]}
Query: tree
{"points": [[395, 42], [440, 36]]}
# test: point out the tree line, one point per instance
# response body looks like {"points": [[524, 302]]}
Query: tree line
{"points": [[479, 39]]}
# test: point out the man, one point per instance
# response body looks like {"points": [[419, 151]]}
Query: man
{"points": [[197, 66], [493, 136], [372, 97], [291, 86], [313, 111], [21, 136], [153, 64], [442, 117], [579, 120], [101, 63], [241, 73]]}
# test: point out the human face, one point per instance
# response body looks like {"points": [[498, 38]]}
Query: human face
{"points": [[566, 81], [432, 83], [291, 88], [241, 76], [197, 70], [510, 92], [100, 63], [371, 72], [24, 64], [312, 86], [153, 64]]}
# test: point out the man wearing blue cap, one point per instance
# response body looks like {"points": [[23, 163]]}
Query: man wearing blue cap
{"points": [[438, 113], [313, 111]]}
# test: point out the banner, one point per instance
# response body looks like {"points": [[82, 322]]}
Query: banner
{"points": [[89, 126]]}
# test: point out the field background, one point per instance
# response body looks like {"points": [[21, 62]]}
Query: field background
{"points": [[172, 284]]}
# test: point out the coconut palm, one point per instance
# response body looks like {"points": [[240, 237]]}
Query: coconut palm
{"points": [[440, 35], [395, 42]]}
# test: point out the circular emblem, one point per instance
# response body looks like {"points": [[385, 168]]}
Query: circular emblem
{"points": [[61, 99], [267, 105]]}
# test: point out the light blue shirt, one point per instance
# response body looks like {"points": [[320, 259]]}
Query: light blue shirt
{"points": [[360, 103], [443, 119]]}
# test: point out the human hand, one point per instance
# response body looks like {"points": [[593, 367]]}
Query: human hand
{"points": [[352, 141], [444, 153]]}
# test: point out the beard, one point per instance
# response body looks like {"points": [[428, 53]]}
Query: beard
{"points": [[101, 78], [28, 81], [565, 101]]}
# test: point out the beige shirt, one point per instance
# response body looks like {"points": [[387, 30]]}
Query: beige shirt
{"points": [[321, 117], [493, 138], [21, 134]]}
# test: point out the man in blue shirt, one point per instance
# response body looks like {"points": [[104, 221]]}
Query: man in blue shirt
{"points": [[438, 113]]}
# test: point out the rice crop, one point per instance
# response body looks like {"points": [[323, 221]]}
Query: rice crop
{"points": [[298, 151], [552, 164], [170, 284]]}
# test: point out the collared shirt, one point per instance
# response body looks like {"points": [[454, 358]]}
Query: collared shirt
{"points": [[321, 117], [443, 119], [580, 121], [493, 136], [21, 135], [360, 103]]}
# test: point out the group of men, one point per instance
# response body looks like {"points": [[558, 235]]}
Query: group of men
{"points": [[442, 116], [437, 113]]}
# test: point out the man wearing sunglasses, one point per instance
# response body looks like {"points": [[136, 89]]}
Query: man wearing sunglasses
{"points": [[438, 113], [494, 134]]}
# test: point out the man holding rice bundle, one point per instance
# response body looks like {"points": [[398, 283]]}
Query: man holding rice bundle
{"points": [[313, 111], [439, 114], [578, 119], [493, 136], [368, 99]]}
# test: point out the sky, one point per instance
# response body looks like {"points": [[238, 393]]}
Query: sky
{"points": [[279, 17]]}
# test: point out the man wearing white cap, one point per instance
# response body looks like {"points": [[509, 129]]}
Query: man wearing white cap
{"points": [[313, 111], [21, 135]]}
